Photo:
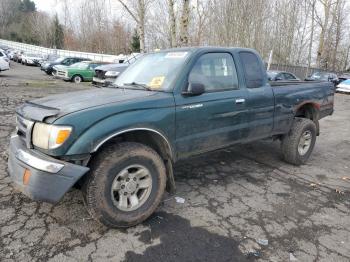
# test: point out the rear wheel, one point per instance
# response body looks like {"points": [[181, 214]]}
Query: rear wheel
{"points": [[297, 146], [77, 79], [125, 185]]}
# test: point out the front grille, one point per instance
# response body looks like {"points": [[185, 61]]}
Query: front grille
{"points": [[61, 73], [24, 129], [100, 74]]}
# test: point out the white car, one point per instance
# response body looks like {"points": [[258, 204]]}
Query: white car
{"points": [[344, 87], [4, 61], [31, 59]]}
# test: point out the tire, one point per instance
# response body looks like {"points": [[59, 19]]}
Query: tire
{"points": [[100, 199], [293, 149], [77, 79]]}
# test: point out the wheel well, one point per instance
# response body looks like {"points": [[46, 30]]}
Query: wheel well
{"points": [[154, 140], [309, 111], [82, 78], [151, 139]]}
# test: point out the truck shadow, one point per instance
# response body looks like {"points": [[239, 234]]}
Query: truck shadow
{"points": [[182, 242]]}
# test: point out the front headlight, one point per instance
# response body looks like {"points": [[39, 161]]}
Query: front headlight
{"points": [[112, 73], [50, 136]]}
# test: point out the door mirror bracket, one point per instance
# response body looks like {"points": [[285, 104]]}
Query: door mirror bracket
{"points": [[194, 89]]}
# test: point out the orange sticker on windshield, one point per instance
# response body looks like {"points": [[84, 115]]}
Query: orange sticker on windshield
{"points": [[157, 82]]}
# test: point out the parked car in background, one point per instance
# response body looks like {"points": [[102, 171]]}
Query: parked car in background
{"points": [[274, 75], [344, 76], [4, 61], [66, 61], [106, 74], [17, 57], [4, 47], [31, 59], [344, 87], [79, 72], [324, 77], [11, 54], [49, 58]]}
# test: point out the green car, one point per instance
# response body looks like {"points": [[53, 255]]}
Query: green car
{"points": [[79, 72]]}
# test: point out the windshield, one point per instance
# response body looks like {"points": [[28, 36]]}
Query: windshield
{"points": [[80, 65], [132, 58], [155, 71], [59, 60]]}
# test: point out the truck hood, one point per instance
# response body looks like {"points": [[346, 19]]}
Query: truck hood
{"points": [[59, 105], [112, 67]]}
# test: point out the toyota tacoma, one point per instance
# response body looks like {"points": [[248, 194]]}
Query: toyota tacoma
{"points": [[119, 144]]}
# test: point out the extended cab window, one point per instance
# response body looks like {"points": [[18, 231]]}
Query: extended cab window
{"points": [[252, 69], [216, 71]]}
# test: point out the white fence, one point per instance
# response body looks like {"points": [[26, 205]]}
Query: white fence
{"points": [[45, 51]]}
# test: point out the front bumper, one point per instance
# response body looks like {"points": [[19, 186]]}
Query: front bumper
{"points": [[102, 82], [343, 90], [65, 78], [50, 178]]}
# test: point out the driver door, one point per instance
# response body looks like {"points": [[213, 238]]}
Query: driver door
{"points": [[216, 118]]}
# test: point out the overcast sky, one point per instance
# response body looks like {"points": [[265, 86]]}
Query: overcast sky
{"points": [[49, 6], [54, 6]]}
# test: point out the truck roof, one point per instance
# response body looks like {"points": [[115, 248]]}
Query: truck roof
{"points": [[207, 48]]}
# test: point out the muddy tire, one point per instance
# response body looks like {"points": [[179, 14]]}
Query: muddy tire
{"points": [[298, 144], [125, 185]]}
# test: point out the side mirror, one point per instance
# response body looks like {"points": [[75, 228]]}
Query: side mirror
{"points": [[194, 89], [279, 78]]}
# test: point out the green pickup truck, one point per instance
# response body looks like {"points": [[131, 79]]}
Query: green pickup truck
{"points": [[119, 144], [78, 72]]}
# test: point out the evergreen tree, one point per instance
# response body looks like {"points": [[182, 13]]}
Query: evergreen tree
{"points": [[57, 34], [135, 42], [27, 6]]}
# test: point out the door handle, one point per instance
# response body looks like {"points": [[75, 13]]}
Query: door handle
{"points": [[240, 101]]}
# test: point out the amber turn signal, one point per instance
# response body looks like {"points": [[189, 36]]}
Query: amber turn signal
{"points": [[26, 176], [62, 136]]}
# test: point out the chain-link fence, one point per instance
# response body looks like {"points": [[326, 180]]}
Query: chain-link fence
{"points": [[299, 71], [46, 51]]}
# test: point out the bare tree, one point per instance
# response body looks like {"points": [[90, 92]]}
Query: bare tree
{"points": [[172, 19], [184, 23], [137, 9], [313, 6]]}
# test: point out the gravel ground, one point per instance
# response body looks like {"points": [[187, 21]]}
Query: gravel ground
{"points": [[241, 204]]}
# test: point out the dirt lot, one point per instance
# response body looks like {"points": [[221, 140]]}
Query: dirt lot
{"points": [[234, 199]]}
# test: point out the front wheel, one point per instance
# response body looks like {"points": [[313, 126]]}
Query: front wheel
{"points": [[297, 146], [125, 185]]}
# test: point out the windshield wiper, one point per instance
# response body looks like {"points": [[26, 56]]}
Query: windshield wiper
{"points": [[144, 86], [112, 85]]}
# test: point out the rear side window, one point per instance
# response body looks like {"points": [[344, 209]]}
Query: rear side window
{"points": [[252, 69]]}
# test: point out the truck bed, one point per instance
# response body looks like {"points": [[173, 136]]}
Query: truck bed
{"points": [[294, 95]]}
